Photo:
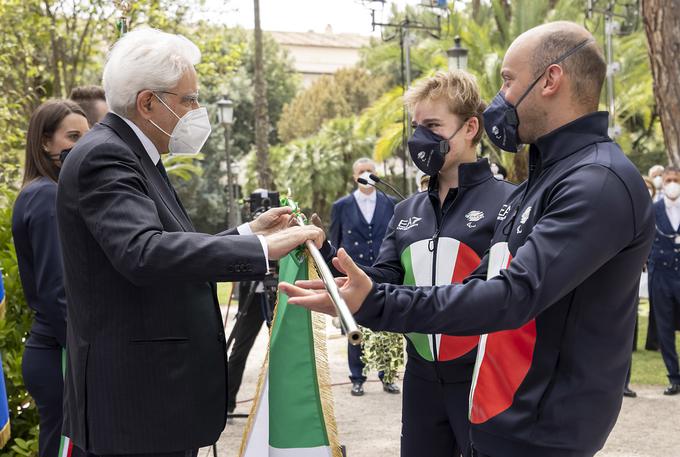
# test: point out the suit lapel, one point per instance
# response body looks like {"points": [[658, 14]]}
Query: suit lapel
{"points": [[168, 197], [381, 205], [662, 221]]}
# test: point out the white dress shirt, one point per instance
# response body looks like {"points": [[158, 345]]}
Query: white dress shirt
{"points": [[366, 203], [673, 211], [154, 155]]}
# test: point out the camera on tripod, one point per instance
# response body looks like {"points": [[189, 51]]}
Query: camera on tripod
{"points": [[260, 201]]}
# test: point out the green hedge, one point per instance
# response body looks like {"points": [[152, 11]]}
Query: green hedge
{"points": [[13, 330]]}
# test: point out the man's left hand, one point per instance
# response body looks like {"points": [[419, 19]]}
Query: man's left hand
{"points": [[271, 221]]}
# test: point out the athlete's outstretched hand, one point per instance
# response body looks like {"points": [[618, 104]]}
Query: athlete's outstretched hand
{"points": [[312, 294]]}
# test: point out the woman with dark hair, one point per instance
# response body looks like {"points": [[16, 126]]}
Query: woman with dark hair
{"points": [[55, 125]]}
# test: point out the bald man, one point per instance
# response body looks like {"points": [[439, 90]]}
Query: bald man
{"points": [[556, 294]]}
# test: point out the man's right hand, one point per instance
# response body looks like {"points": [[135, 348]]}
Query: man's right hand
{"points": [[281, 243]]}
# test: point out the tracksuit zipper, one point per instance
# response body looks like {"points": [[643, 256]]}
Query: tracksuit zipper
{"points": [[434, 242], [432, 245]]}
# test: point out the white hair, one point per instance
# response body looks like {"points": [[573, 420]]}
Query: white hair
{"points": [[362, 161], [145, 59], [656, 169]]}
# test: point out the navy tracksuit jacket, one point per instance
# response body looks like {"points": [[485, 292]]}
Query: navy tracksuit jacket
{"points": [[559, 303], [430, 243]]}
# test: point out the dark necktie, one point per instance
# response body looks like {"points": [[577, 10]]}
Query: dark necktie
{"points": [[164, 174]]}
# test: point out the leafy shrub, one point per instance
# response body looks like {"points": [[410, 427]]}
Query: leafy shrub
{"points": [[13, 331]]}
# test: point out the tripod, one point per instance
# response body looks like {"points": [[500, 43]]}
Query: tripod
{"points": [[255, 307]]}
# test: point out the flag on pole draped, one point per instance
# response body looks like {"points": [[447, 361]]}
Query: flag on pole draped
{"points": [[4, 406], [292, 414], [65, 443]]}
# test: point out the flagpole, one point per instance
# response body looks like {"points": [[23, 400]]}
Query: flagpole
{"points": [[349, 325]]}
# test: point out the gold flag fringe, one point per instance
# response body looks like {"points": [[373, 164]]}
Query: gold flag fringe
{"points": [[5, 434], [323, 372], [3, 309]]}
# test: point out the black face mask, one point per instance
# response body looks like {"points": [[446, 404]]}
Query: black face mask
{"points": [[63, 154], [501, 120], [428, 150]]}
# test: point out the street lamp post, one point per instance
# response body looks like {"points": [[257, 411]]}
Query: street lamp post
{"points": [[225, 116], [457, 56]]}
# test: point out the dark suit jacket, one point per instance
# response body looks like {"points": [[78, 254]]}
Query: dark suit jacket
{"points": [[350, 230], [146, 350]]}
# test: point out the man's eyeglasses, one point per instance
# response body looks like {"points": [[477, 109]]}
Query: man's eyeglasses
{"points": [[189, 100]]}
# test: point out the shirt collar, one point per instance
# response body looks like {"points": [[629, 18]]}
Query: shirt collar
{"points": [[571, 137], [146, 142], [359, 195]]}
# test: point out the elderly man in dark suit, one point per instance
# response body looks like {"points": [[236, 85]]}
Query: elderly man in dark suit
{"points": [[358, 224], [147, 371]]}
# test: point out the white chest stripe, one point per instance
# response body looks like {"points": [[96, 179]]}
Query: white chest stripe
{"points": [[499, 257]]}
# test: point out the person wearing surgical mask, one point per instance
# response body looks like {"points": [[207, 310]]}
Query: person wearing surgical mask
{"points": [[146, 369], [656, 176], [358, 224], [664, 280], [498, 171], [54, 126]]}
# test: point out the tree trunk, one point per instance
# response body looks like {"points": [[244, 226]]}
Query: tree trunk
{"points": [[662, 24], [261, 108]]}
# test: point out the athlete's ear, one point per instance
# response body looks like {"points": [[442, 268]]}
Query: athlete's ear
{"points": [[554, 78], [472, 128]]}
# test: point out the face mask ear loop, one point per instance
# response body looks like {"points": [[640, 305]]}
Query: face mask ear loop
{"points": [[444, 147], [561, 58], [156, 125], [169, 109], [166, 105]]}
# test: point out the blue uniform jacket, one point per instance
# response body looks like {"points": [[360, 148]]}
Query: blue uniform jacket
{"points": [[665, 253], [351, 231]]}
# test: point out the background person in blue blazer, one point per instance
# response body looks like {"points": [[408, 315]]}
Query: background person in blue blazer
{"points": [[358, 224], [54, 126], [664, 277]]}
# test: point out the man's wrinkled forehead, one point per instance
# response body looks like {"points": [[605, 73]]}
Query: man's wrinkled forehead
{"points": [[362, 167]]}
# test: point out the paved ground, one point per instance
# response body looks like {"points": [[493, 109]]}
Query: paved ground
{"points": [[649, 426]]}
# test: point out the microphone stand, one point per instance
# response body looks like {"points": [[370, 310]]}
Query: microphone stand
{"points": [[380, 181], [366, 183]]}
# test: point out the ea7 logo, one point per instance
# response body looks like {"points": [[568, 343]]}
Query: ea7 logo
{"points": [[407, 224], [503, 214], [473, 217]]}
